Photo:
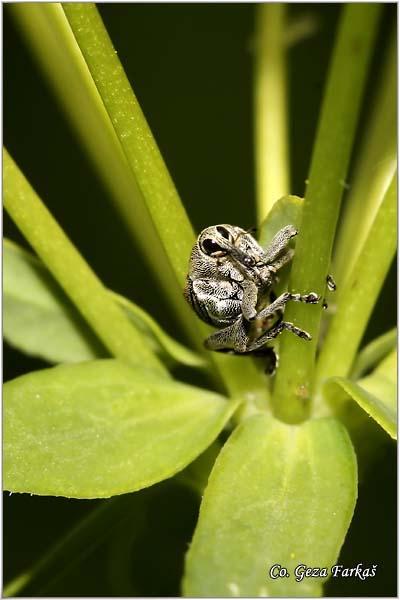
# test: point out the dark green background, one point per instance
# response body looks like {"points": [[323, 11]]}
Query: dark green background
{"points": [[191, 68]]}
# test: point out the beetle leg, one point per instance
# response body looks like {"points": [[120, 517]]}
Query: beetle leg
{"points": [[249, 302], [331, 283], [281, 301], [279, 242], [275, 331], [283, 260]]}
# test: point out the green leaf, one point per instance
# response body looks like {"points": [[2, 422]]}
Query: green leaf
{"points": [[278, 494], [371, 354], [102, 428], [160, 342], [376, 394], [357, 298], [375, 166], [286, 211], [196, 475], [39, 319]]}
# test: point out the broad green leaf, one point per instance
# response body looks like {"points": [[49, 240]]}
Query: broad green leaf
{"points": [[376, 393], [278, 495], [102, 428], [371, 354], [39, 318], [285, 211]]}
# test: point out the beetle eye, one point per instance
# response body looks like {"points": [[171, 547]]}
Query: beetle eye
{"points": [[210, 247], [224, 232], [248, 261]]}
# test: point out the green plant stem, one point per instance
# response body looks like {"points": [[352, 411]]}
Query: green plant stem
{"points": [[340, 109], [270, 107], [358, 297], [134, 134], [77, 544], [151, 174], [374, 171], [46, 29], [70, 270]]}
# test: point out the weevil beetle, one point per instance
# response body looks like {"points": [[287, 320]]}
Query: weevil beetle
{"points": [[229, 285]]}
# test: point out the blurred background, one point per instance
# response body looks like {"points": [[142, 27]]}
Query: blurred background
{"points": [[191, 68]]}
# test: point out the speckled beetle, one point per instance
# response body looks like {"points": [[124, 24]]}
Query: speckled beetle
{"points": [[229, 285]]}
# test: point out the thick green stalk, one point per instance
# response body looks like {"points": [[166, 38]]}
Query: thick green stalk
{"points": [[328, 170], [46, 29], [70, 270], [134, 134], [151, 174], [374, 171], [358, 297], [270, 107]]}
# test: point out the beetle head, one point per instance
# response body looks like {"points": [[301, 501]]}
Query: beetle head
{"points": [[229, 251]]}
